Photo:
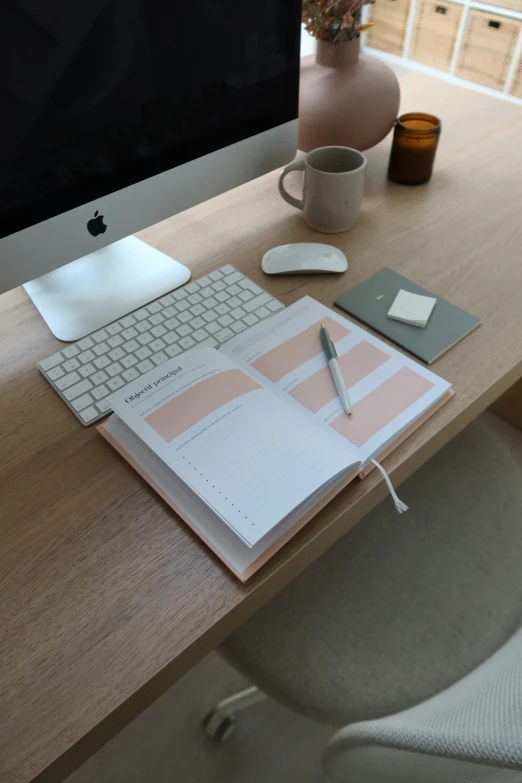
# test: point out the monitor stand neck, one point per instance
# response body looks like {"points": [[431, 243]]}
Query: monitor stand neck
{"points": [[91, 292]]}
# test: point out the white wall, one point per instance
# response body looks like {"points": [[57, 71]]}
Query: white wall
{"points": [[307, 43]]}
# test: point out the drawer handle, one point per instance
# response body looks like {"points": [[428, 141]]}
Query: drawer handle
{"points": [[441, 10], [494, 24]]}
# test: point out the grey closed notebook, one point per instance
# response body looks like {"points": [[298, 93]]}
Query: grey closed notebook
{"points": [[370, 301]]}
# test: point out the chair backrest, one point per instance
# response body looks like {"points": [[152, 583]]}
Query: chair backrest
{"points": [[471, 731]]}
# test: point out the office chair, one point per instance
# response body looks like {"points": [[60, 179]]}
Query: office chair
{"points": [[401, 609]]}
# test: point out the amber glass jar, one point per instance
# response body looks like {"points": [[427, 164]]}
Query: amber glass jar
{"points": [[413, 150]]}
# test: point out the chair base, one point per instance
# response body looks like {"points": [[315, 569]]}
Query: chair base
{"points": [[220, 723]]}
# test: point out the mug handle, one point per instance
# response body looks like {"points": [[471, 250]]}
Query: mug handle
{"points": [[297, 165]]}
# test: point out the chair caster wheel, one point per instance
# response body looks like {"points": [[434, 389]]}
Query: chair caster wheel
{"points": [[218, 726]]}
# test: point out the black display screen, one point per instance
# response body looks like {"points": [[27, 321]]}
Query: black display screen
{"points": [[99, 94]]}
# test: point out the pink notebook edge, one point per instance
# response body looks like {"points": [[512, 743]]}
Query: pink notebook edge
{"points": [[243, 576]]}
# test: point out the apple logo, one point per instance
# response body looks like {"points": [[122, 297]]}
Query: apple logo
{"points": [[96, 225]]}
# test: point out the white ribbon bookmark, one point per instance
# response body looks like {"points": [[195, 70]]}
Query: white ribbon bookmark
{"points": [[399, 505]]}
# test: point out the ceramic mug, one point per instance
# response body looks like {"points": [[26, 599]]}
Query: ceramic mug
{"points": [[333, 187]]}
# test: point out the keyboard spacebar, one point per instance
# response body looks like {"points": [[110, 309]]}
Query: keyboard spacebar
{"points": [[258, 301]]}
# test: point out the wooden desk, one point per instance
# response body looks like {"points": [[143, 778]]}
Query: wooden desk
{"points": [[106, 599]]}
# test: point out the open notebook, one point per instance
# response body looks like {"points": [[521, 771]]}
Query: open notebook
{"points": [[247, 443]]}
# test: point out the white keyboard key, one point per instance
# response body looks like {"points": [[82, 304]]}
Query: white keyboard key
{"points": [[130, 374], [114, 328], [239, 327], [102, 348], [228, 269], [146, 338], [185, 317], [143, 353], [99, 377], [101, 362], [170, 337], [82, 402], [257, 302], [158, 331], [100, 336], [204, 282], [184, 330], [238, 313], [52, 361], [167, 300], [131, 346], [195, 299], [156, 319], [215, 275], [159, 358], [86, 356], [253, 287], [87, 370], [211, 302], [128, 321], [181, 293], [224, 334], [139, 315], [263, 312], [209, 343], [157, 345], [70, 351], [115, 383], [187, 342], [222, 296], [213, 327], [197, 309], [129, 361], [145, 366], [77, 390], [55, 373], [197, 323], [173, 350], [246, 295], [235, 277], [103, 406], [116, 340], [172, 323], [219, 286], [89, 414], [100, 391], [118, 353], [143, 326], [191, 288], [182, 306], [251, 319], [233, 290], [222, 309], [114, 369], [274, 305], [129, 333], [85, 343], [206, 292], [199, 335], [225, 320], [234, 301], [154, 307], [67, 380], [169, 312]]}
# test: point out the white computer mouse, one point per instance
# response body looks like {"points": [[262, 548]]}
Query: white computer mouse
{"points": [[304, 258]]}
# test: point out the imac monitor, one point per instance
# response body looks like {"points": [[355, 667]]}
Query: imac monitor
{"points": [[118, 114]]}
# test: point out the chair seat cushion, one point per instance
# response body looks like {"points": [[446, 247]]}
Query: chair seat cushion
{"points": [[402, 606]]}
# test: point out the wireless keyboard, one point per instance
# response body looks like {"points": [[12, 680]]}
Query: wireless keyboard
{"points": [[207, 311]]}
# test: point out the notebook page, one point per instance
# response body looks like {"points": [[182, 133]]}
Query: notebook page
{"points": [[247, 454], [388, 390]]}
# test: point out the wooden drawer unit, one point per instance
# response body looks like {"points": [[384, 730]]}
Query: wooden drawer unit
{"points": [[487, 48], [390, 18], [516, 84], [516, 5], [435, 33]]}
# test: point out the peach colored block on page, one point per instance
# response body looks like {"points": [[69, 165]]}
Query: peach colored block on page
{"points": [[177, 415], [381, 406], [275, 364], [317, 390]]}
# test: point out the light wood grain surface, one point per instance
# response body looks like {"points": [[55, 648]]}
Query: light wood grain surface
{"points": [[106, 597]]}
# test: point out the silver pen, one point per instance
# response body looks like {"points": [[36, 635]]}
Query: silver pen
{"points": [[333, 364]]}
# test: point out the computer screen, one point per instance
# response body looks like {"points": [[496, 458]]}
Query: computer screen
{"points": [[101, 94]]}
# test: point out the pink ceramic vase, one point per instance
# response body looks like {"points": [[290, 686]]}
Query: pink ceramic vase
{"points": [[346, 98]]}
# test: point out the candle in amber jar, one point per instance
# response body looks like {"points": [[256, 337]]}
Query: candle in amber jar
{"points": [[413, 150]]}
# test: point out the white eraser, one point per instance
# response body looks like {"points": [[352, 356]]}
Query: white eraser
{"points": [[412, 308]]}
